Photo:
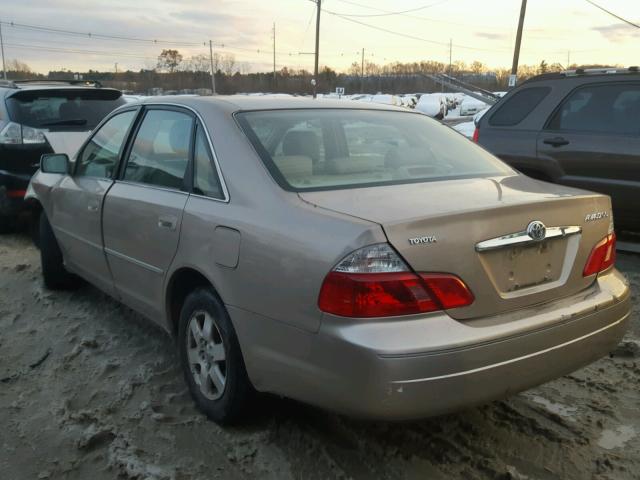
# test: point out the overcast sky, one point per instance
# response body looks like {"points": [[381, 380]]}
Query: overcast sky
{"points": [[481, 30]]}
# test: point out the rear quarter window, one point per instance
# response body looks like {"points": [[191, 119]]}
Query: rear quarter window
{"points": [[518, 106]]}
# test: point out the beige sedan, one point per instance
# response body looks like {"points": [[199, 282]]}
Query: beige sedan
{"points": [[365, 259]]}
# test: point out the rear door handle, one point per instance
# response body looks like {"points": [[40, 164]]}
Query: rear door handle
{"points": [[556, 141], [167, 221]]}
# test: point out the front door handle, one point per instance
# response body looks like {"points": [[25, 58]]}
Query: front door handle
{"points": [[167, 221], [556, 141], [92, 207]]}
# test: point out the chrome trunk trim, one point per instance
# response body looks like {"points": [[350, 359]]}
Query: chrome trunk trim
{"points": [[522, 238]]}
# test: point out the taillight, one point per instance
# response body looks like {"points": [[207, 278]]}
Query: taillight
{"points": [[16, 193], [375, 282], [602, 256], [11, 134], [15, 134], [449, 290], [476, 135], [32, 135]]}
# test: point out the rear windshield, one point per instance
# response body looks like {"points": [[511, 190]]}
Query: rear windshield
{"points": [[62, 109], [323, 149]]}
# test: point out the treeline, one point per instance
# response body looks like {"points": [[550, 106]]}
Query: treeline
{"points": [[173, 74]]}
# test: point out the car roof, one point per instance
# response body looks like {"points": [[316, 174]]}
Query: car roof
{"points": [[236, 103], [612, 74]]}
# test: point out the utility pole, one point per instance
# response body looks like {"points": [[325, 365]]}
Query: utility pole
{"points": [[213, 73], [450, 54], [568, 59], [116, 67], [4, 69], [315, 69], [274, 55], [516, 52], [362, 73]]}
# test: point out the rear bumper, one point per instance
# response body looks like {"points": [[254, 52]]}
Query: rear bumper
{"points": [[427, 366], [405, 393], [12, 188], [18, 163]]}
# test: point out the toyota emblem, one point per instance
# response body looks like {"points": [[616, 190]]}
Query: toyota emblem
{"points": [[537, 230]]}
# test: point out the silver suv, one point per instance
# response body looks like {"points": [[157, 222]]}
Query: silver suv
{"points": [[38, 117]]}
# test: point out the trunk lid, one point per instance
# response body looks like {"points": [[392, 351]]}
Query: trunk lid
{"points": [[437, 226]]}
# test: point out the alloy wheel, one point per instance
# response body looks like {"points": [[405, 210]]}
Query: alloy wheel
{"points": [[206, 354]]}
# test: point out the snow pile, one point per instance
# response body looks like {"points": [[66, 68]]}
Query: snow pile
{"points": [[432, 104], [471, 106]]}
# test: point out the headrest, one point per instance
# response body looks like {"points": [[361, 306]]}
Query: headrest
{"points": [[400, 156], [179, 136], [69, 110], [301, 143]]}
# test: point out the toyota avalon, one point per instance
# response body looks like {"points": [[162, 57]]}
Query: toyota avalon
{"points": [[362, 258]]}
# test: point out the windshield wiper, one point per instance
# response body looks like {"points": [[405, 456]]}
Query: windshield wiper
{"points": [[75, 121]]}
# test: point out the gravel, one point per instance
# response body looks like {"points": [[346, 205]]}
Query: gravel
{"points": [[88, 389]]}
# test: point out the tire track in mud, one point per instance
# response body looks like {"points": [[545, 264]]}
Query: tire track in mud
{"points": [[88, 389]]}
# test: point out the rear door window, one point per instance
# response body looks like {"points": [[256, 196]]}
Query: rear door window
{"points": [[63, 109], [160, 152], [609, 109], [517, 107], [99, 158]]}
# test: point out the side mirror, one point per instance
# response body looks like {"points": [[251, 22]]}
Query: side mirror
{"points": [[54, 163]]}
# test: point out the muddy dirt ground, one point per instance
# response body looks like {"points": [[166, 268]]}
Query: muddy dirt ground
{"points": [[89, 390]]}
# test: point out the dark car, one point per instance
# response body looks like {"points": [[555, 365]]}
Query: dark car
{"points": [[32, 115], [579, 128]]}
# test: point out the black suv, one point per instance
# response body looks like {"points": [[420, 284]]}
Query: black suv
{"points": [[579, 128], [33, 115]]}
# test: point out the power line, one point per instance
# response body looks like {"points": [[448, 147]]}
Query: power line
{"points": [[21, 39], [412, 37], [393, 13], [22, 46], [58, 31], [613, 14], [45, 48], [99, 35], [420, 17]]}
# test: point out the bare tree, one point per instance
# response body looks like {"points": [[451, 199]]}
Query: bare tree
{"points": [[544, 67], [478, 67], [371, 68], [229, 64], [217, 62], [15, 65], [196, 63], [169, 60]]}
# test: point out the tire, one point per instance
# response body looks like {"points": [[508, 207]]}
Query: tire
{"points": [[34, 228], [211, 359], [55, 275]]}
